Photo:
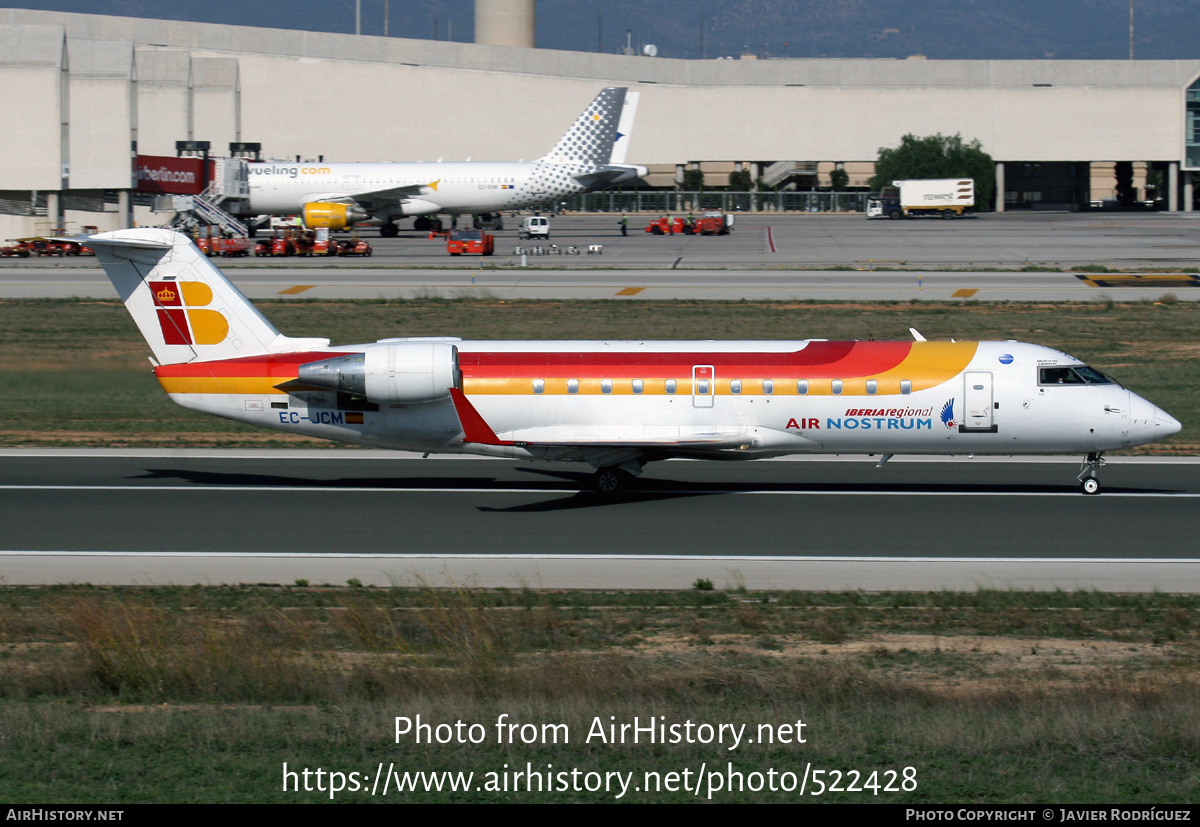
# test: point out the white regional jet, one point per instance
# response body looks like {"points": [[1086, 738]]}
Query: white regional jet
{"points": [[589, 156], [615, 405]]}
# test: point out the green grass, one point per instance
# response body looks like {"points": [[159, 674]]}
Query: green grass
{"points": [[201, 694]]}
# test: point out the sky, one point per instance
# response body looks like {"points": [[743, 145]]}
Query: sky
{"points": [[707, 29]]}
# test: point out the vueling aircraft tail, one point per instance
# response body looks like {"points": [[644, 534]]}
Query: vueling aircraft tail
{"points": [[184, 306], [590, 140]]}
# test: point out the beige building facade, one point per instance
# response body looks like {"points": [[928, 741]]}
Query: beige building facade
{"points": [[86, 92]]}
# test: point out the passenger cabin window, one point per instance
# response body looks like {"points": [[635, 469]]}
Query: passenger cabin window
{"points": [[802, 386], [638, 386], [702, 387], [572, 386], [768, 386], [872, 386], [906, 386], [735, 386], [539, 385], [837, 386], [670, 386], [606, 386]]}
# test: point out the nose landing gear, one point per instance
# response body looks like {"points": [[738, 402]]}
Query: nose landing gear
{"points": [[1088, 483]]}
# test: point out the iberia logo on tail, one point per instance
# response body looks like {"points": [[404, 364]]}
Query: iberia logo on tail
{"points": [[182, 315]]}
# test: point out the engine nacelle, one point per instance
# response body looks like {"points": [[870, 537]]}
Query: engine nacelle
{"points": [[389, 374], [334, 216]]}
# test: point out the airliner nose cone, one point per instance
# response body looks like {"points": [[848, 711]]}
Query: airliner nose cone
{"points": [[1165, 424]]}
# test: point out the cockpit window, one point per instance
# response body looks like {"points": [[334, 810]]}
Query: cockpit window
{"points": [[1079, 375], [1093, 376]]}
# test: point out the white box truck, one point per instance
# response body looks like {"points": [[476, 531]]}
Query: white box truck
{"points": [[947, 197]]}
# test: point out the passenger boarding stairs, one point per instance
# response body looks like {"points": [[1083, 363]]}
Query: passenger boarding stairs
{"points": [[202, 209], [783, 171]]}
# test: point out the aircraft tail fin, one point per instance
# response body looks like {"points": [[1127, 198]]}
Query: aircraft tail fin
{"points": [[590, 139], [183, 305]]}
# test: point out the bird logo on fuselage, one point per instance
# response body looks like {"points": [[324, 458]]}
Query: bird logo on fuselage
{"points": [[948, 414]]}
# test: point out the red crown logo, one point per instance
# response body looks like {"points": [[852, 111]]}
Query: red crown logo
{"points": [[166, 295]]}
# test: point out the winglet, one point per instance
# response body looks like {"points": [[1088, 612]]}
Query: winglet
{"points": [[475, 429]]}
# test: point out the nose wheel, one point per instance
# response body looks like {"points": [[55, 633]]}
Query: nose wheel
{"points": [[1088, 481]]}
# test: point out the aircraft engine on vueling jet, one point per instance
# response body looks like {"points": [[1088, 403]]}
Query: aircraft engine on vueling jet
{"points": [[333, 216], [389, 373]]}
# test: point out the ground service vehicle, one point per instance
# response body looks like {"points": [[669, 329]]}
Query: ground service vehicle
{"points": [[354, 247], [615, 405], [283, 241], [665, 225], [535, 226], [947, 197], [470, 243], [40, 247], [232, 246], [711, 222]]}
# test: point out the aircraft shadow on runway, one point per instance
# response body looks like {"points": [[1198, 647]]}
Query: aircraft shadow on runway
{"points": [[577, 492]]}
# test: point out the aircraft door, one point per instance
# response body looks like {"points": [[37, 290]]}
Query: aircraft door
{"points": [[978, 404], [703, 386]]}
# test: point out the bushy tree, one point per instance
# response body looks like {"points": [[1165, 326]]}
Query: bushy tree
{"points": [[740, 180], [839, 180], [693, 180], [937, 156]]}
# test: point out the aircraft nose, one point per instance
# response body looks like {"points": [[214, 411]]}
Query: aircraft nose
{"points": [[1165, 424]]}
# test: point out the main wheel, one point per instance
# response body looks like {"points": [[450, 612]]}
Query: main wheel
{"points": [[389, 230], [1089, 485], [947, 213], [608, 481], [895, 215]]}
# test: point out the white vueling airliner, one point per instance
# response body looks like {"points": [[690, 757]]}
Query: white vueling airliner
{"points": [[589, 156], [615, 405]]}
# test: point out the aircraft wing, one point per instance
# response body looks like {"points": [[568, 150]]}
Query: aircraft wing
{"points": [[582, 442], [377, 200]]}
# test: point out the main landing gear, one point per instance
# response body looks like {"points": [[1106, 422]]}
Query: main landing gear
{"points": [[1088, 483], [612, 480]]}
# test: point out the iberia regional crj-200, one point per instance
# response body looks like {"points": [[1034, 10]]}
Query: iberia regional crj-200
{"points": [[589, 156], [615, 405]]}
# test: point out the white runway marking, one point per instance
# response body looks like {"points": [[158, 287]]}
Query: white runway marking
{"points": [[327, 489]]}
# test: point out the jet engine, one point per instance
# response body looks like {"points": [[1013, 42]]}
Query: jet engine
{"points": [[333, 216], [390, 373]]}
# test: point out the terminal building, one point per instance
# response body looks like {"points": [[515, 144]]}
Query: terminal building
{"points": [[87, 96]]}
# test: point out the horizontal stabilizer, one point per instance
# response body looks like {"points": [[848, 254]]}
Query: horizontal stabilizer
{"points": [[183, 305]]}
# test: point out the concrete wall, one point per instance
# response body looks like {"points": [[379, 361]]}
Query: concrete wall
{"points": [[164, 99], [103, 112], [33, 63]]}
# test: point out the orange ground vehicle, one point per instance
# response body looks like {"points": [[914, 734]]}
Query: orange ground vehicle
{"points": [[664, 225], [712, 222], [40, 246], [471, 243], [322, 244], [283, 243], [232, 246], [354, 247]]}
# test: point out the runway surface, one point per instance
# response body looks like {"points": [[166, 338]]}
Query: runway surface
{"points": [[381, 517], [777, 257]]}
